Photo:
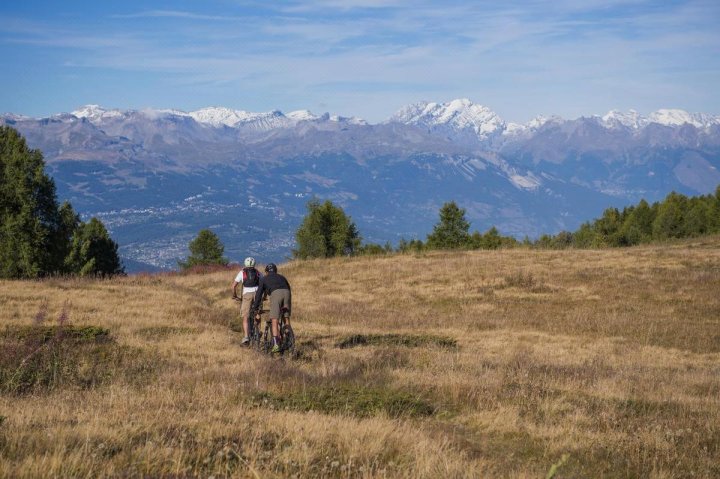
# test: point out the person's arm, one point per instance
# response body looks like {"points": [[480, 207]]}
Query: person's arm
{"points": [[258, 295], [238, 280]]}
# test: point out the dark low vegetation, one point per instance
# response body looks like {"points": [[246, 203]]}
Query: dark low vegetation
{"points": [[407, 340], [354, 400], [41, 358]]}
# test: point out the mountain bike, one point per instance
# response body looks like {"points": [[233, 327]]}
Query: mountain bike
{"points": [[263, 340], [258, 338]]}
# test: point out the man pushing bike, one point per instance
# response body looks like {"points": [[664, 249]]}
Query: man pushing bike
{"points": [[249, 278], [277, 288]]}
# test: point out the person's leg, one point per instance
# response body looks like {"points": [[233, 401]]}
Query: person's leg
{"points": [[286, 307], [275, 303], [247, 300]]}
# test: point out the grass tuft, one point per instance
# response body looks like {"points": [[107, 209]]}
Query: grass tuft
{"points": [[44, 358], [351, 400], [407, 340], [159, 333]]}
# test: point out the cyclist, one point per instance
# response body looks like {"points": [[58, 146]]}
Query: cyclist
{"points": [[249, 277], [278, 290]]}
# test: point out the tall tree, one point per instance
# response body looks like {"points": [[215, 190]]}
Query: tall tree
{"points": [[205, 249], [29, 218], [326, 231], [93, 252], [697, 217], [451, 232], [670, 219], [637, 227], [62, 245], [714, 215]]}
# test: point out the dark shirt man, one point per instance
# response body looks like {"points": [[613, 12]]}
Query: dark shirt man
{"points": [[277, 288]]}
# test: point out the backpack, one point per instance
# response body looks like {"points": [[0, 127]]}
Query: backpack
{"points": [[251, 278]]}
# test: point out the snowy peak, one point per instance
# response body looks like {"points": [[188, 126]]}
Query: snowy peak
{"points": [[666, 117], [669, 117], [460, 114], [515, 130], [617, 118], [94, 113], [302, 115], [220, 116]]}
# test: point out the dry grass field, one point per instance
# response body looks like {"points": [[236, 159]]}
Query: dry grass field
{"points": [[517, 363]]}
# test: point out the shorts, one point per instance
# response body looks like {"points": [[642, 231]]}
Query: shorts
{"points": [[279, 299], [247, 301]]}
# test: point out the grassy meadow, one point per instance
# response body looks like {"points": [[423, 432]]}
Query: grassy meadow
{"points": [[516, 363]]}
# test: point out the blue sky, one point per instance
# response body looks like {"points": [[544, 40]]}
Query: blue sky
{"points": [[362, 58]]}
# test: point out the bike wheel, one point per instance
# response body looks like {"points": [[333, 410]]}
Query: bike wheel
{"points": [[254, 334], [266, 341], [288, 340]]}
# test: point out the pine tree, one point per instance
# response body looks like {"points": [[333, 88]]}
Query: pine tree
{"points": [[637, 227], [93, 252], [697, 218], [62, 245], [586, 237], [36, 237], [670, 219], [205, 249], [29, 218], [326, 231], [714, 215], [451, 232]]}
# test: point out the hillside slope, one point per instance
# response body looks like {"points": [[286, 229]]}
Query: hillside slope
{"points": [[470, 364]]}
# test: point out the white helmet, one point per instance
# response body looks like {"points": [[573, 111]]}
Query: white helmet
{"points": [[249, 262]]}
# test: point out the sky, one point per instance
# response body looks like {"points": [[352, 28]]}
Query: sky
{"points": [[361, 58]]}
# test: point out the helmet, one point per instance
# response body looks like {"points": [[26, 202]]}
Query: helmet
{"points": [[271, 268], [249, 262]]}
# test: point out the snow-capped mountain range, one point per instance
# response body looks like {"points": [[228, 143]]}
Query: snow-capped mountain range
{"points": [[157, 176], [216, 116], [458, 115]]}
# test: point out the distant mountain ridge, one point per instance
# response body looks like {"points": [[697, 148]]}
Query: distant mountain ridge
{"points": [[158, 176], [458, 114]]}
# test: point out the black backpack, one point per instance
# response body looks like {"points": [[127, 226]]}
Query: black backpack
{"points": [[251, 277]]}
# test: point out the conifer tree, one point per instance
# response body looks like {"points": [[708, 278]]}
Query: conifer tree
{"points": [[451, 232], [670, 219], [714, 215], [637, 227], [326, 231], [62, 245], [205, 249], [36, 237], [93, 252], [697, 218], [29, 219]]}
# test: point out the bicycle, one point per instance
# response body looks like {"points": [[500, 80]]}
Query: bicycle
{"points": [[258, 339], [264, 341]]}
